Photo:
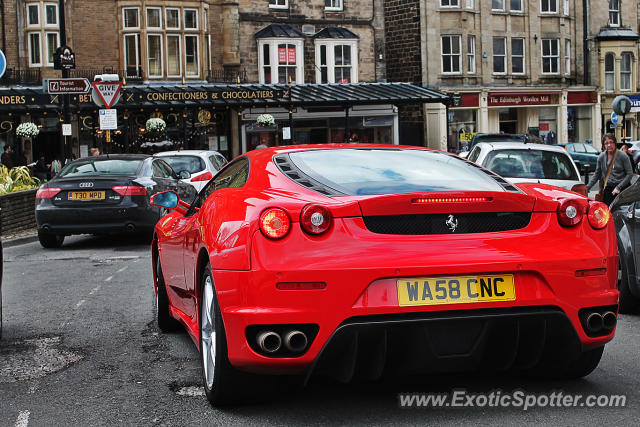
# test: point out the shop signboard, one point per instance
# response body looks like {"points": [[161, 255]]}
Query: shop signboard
{"points": [[516, 99], [635, 103]]}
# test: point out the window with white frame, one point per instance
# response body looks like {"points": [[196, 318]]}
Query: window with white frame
{"points": [[278, 4], [450, 47], [43, 38], [628, 130], [567, 56], [549, 6], [333, 4], [625, 71], [449, 3], [497, 4], [469, 4], [565, 7], [280, 61], [517, 55], [471, 54], [172, 41], [614, 13], [609, 72], [550, 56], [336, 61], [515, 5], [499, 55]]}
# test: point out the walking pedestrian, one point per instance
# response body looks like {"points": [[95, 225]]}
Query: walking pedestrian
{"points": [[613, 171]]}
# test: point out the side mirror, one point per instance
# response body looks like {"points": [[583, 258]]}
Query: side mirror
{"points": [[166, 199], [184, 174]]}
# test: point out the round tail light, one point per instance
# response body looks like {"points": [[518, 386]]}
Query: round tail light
{"points": [[315, 219], [599, 215], [275, 223], [570, 212]]}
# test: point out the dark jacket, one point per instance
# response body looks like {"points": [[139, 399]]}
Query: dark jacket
{"points": [[7, 160], [620, 174]]}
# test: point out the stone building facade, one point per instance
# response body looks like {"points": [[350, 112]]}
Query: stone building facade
{"points": [[515, 66]]}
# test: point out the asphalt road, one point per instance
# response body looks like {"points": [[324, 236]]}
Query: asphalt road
{"points": [[80, 347]]}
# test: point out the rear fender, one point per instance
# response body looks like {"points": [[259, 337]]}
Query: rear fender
{"points": [[626, 257]]}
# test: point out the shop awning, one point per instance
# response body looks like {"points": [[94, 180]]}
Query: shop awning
{"points": [[244, 96]]}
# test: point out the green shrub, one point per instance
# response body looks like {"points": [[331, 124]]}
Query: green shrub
{"points": [[16, 179]]}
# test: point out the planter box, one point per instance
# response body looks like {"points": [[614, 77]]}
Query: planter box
{"points": [[18, 211]]}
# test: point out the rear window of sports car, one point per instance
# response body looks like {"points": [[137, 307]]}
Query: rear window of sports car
{"points": [[101, 167], [389, 171]]}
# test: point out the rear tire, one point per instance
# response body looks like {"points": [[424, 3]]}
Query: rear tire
{"points": [[222, 382], [629, 303], [166, 323], [50, 240]]}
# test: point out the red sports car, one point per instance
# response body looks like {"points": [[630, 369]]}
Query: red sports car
{"points": [[367, 260]]}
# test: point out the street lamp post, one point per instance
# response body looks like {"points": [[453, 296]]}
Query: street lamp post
{"points": [[66, 114]]}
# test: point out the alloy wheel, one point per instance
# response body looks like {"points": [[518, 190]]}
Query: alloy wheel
{"points": [[208, 332]]}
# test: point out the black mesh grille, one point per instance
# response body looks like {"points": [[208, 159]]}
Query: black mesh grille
{"points": [[443, 224]]}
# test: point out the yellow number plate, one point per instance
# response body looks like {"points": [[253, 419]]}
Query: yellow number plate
{"points": [[86, 195], [455, 290]]}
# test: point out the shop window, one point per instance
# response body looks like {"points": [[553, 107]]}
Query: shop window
{"points": [[449, 3], [337, 61], [517, 56], [450, 46], [42, 36], [614, 13], [499, 55], [172, 44], [549, 6], [497, 5], [628, 130], [625, 71], [280, 61], [278, 4], [333, 4], [609, 72], [550, 56], [567, 56], [471, 54]]}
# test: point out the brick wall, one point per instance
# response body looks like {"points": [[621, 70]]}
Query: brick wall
{"points": [[92, 32], [403, 58], [18, 211]]}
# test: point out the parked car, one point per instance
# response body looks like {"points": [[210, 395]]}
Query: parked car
{"points": [[370, 260], [201, 164], [493, 137], [520, 162], [584, 155], [625, 209], [108, 193], [634, 150]]}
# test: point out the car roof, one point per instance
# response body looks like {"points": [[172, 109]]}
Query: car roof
{"points": [[186, 153], [521, 146], [117, 156]]}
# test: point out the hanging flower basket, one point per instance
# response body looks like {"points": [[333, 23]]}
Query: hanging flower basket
{"points": [[27, 130], [156, 125], [265, 120]]}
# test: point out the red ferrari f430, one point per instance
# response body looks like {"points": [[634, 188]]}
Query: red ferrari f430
{"points": [[359, 261]]}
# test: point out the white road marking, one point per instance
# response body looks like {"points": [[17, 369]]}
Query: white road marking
{"points": [[108, 279], [80, 303], [23, 419], [94, 290], [191, 391], [123, 269]]}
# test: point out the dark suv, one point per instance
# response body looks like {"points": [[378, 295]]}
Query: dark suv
{"points": [[496, 137]]}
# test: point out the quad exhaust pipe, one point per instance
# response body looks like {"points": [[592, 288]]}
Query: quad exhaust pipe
{"points": [[597, 322], [294, 341]]}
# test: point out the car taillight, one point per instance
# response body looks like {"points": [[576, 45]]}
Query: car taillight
{"points": [[315, 219], [275, 223], [204, 177], [47, 193], [580, 189], [570, 212], [599, 215], [130, 190]]}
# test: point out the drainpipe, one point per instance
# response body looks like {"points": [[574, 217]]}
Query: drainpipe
{"points": [[585, 41]]}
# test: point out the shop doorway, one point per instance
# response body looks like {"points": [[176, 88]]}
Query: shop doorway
{"points": [[508, 120]]}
